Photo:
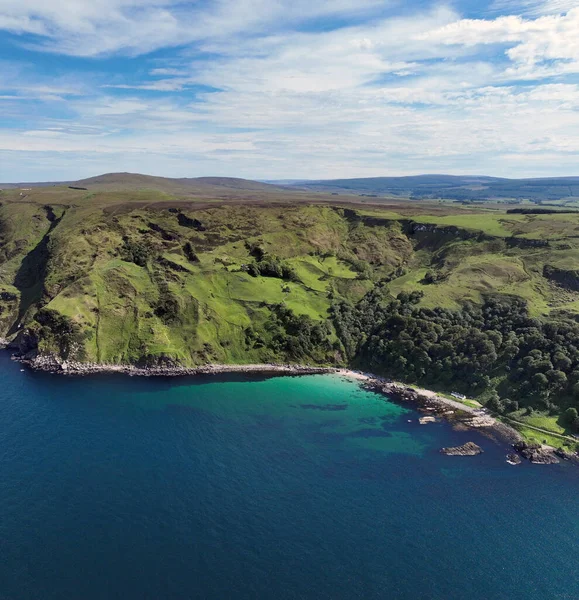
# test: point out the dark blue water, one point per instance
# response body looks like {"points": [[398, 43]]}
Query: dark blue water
{"points": [[114, 487]]}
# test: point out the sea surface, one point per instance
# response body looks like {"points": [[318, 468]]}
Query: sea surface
{"points": [[285, 488]]}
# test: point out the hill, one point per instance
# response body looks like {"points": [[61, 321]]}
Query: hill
{"points": [[461, 188], [135, 181], [120, 182]]}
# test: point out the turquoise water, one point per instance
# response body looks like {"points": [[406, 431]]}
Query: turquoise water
{"points": [[287, 488]]}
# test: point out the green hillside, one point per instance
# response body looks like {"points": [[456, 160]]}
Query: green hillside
{"points": [[147, 277]]}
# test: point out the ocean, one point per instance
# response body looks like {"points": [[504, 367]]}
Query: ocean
{"points": [[242, 487]]}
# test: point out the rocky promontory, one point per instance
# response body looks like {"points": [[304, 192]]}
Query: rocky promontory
{"points": [[537, 453], [514, 459]]}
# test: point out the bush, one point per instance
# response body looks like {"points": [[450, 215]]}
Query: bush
{"points": [[570, 416], [138, 252]]}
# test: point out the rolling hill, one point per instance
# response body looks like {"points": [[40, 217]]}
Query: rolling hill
{"points": [[134, 181]]}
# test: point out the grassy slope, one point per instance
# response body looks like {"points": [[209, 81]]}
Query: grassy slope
{"points": [[114, 301]]}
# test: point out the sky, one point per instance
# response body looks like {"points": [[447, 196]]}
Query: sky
{"points": [[288, 89]]}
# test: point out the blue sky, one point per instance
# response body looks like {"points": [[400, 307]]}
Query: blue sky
{"points": [[275, 89]]}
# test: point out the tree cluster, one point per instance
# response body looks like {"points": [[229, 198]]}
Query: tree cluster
{"points": [[137, 251], [270, 266], [297, 336], [497, 347]]}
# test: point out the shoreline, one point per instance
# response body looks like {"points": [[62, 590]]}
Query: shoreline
{"points": [[48, 364], [460, 416]]}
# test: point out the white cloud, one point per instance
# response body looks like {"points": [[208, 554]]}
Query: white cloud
{"points": [[541, 47], [425, 92], [134, 27]]}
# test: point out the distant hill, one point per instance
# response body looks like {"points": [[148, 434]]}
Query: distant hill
{"points": [[134, 181], [459, 188], [468, 188]]}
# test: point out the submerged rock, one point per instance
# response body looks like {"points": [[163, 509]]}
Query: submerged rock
{"points": [[468, 449]]}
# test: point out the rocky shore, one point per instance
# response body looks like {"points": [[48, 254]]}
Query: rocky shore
{"points": [[460, 415], [537, 453], [465, 417], [50, 364]]}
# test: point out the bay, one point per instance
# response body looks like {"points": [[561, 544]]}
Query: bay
{"points": [[282, 488]]}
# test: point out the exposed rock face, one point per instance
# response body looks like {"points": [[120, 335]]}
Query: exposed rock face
{"points": [[515, 242], [186, 221], [468, 449], [565, 278], [536, 453], [27, 343]]}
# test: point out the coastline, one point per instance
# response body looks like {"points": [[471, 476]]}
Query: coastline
{"points": [[465, 417], [460, 416], [49, 364]]}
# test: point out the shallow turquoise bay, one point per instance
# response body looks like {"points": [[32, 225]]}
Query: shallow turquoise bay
{"points": [[283, 488]]}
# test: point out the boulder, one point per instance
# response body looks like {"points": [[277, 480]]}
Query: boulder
{"points": [[514, 459]]}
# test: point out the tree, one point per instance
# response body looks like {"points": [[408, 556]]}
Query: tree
{"points": [[570, 416], [540, 381]]}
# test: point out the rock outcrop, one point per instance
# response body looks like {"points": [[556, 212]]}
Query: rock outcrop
{"points": [[536, 453], [514, 459], [468, 449]]}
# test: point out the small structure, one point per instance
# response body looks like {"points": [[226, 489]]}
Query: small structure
{"points": [[458, 396]]}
